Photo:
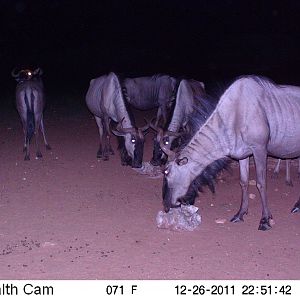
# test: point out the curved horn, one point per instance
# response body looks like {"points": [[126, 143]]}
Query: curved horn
{"points": [[173, 133], [14, 74], [146, 126], [170, 153], [153, 126], [121, 129]]}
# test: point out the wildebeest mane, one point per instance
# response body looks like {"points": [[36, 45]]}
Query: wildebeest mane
{"points": [[263, 81], [203, 108], [125, 97], [206, 178], [121, 139]]}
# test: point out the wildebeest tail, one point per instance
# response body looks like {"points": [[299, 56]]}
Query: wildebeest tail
{"points": [[30, 122]]}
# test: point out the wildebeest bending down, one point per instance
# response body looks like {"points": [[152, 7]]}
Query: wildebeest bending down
{"points": [[30, 103], [190, 93], [105, 100], [148, 92], [253, 117]]}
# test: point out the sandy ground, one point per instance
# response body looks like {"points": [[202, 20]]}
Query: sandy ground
{"points": [[69, 216]]}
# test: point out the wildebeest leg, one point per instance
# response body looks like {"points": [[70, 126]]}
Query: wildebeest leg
{"points": [[26, 140], [244, 182], [27, 156], [298, 167], [100, 127], [260, 158], [296, 207], [108, 135], [37, 131], [288, 180], [277, 168], [48, 147], [158, 116], [105, 139], [24, 131]]}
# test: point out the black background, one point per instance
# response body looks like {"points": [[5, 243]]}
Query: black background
{"points": [[74, 41]]}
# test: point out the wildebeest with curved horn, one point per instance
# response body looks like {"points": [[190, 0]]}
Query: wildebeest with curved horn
{"points": [[253, 117], [190, 93], [105, 100], [30, 103], [149, 92]]}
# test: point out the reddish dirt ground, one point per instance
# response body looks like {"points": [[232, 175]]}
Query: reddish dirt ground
{"points": [[69, 216]]}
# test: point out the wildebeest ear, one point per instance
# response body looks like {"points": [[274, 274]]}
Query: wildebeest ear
{"points": [[182, 161], [38, 71]]}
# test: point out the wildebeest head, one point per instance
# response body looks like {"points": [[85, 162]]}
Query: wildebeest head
{"points": [[179, 174], [185, 177], [166, 138], [26, 74], [134, 142]]}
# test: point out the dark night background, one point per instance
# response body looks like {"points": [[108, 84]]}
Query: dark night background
{"points": [[209, 40]]}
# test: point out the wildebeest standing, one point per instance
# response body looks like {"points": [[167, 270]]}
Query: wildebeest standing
{"points": [[253, 117], [105, 100], [190, 93], [30, 103]]}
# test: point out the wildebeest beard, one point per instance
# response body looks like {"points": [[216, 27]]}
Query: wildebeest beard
{"points": [[157, 154], [206, 178], [126, 160], [138, 153]]}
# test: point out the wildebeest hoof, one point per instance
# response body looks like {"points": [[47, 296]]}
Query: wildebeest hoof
{"points": [[48, 147], [99, 154], [105, 158], [237, 219], [39, 155], [26, 157], [264, 224], [289, 183], [111, 152], [296, 207], [274, 175], [154, 163]]}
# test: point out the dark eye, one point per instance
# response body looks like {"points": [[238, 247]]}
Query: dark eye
{"points": [[133, 140], [166, 172]]}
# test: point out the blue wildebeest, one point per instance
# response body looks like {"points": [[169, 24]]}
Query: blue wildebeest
{"points": [[30, 103], [157, 91], [148, 92], [190, 93], [253, 117], [105, 100]]}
